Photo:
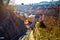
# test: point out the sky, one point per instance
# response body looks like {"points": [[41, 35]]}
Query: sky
{"points": [[28, 1]]}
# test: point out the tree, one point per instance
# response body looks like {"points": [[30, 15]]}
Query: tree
{"points": [[7, 2], [1, 2]]}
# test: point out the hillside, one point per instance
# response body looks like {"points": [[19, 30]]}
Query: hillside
{"points": [[10, 24]]}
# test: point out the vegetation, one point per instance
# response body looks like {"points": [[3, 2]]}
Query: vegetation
{"points": [[51, 32], [10, 24]]}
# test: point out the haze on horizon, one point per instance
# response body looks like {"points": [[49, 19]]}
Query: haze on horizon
{"points": [[28, 1]]}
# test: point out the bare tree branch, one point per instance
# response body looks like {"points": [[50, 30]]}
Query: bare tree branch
{"points": [[1, 2], [8, 2]]}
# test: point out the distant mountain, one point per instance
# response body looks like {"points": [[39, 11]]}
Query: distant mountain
{"points": [[22, 7], [32, 7], [40, 4]]}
